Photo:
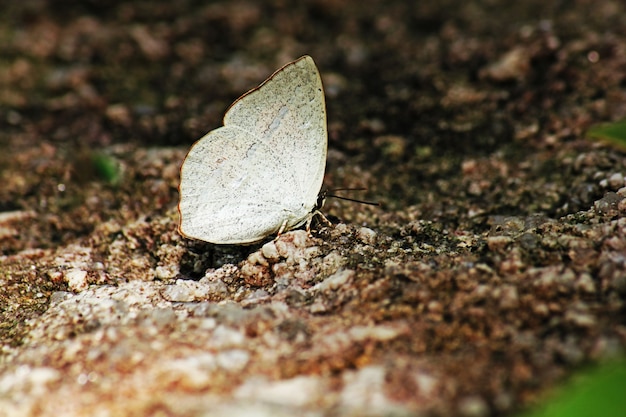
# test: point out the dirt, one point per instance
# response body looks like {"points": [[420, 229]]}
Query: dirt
{"points": [[493, 269]]}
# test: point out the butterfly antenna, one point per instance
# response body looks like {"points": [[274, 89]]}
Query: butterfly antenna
{"points": [[369, 203], [346, 189]]}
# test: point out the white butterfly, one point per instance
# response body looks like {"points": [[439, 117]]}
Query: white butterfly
{"points": [[262, 171]]}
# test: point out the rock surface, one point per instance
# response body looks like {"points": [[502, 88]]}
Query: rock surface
{"points": [[494, 267]]}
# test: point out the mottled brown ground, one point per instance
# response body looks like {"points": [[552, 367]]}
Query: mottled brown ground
{"points": [[494, 268]]}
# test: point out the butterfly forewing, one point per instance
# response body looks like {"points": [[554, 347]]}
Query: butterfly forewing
{"points": [[288, 114]]}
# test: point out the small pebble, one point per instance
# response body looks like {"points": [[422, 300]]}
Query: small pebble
{"points": [[77, 280], [616, 181], [367, 235], [473, 406]]}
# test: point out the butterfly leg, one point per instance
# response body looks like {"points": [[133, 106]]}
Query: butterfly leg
{"points": [[310, 219], [282, 228]]}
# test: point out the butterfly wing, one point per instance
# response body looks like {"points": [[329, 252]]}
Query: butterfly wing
{"points": [[288, 114], [264, 168], [228, 194]]}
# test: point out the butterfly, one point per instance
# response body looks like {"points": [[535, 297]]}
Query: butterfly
{"points": [[261, 173]]}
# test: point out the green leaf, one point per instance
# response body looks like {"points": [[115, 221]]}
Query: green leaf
{"points": [[599, 392], [612, 133], [107, 168]]}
